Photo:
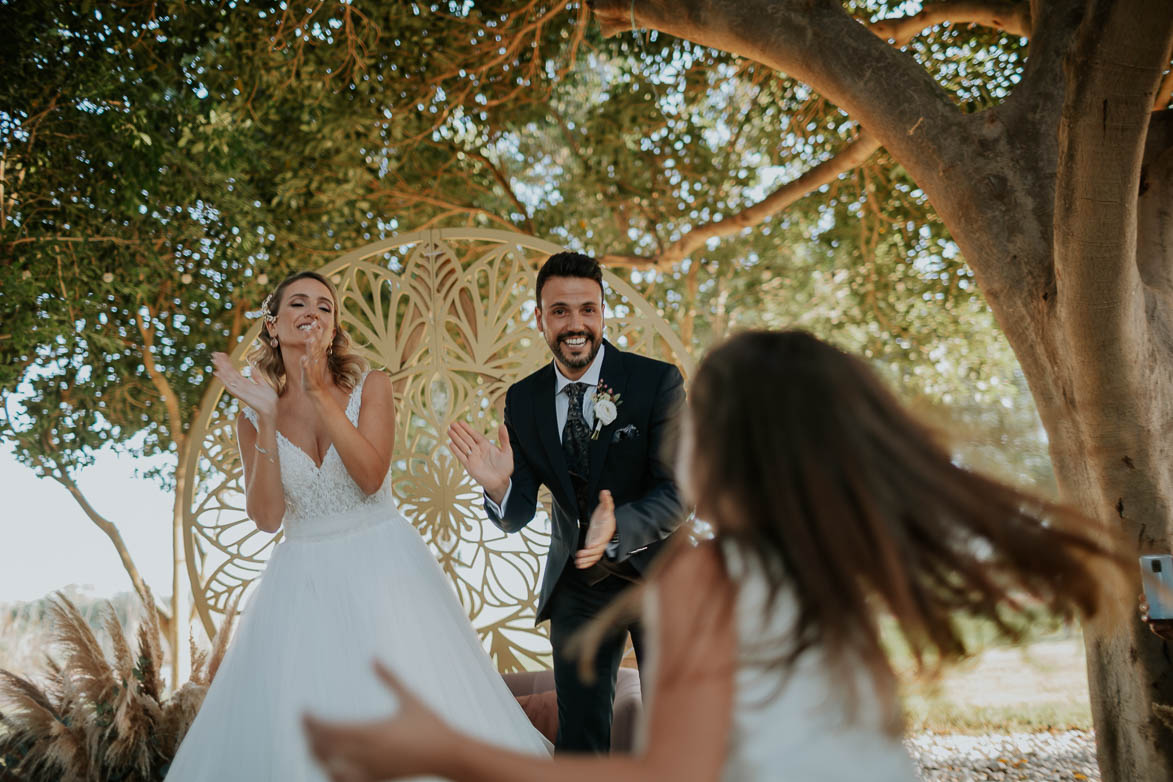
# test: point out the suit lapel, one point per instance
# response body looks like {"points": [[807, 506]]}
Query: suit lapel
{"points": [[614, 376], [546, 420]]}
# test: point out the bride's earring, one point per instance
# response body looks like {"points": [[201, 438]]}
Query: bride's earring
{"points": [[273, 342]]}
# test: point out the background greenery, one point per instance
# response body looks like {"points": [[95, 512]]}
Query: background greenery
{"points": [[165, 162]]}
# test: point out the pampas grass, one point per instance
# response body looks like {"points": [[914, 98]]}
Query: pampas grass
{"points": [[92, 719]]}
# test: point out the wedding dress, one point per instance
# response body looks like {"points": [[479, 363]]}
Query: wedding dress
{"points": [[352, 581]]}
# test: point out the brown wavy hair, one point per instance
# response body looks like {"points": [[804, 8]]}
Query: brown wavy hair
{"points": [[814, 473], [346, 367], [811, 468]]}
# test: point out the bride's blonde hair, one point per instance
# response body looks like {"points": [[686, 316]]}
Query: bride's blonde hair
{"points": [[345, 367]]}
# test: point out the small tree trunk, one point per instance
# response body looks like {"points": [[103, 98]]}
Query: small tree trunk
{"points": [[181, 621], [688, 324]]}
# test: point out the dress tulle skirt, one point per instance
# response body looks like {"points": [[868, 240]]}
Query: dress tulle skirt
{"points": [[363, 587]]}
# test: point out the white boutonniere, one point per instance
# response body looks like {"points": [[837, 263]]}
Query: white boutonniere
{"points": [[606, 408]]}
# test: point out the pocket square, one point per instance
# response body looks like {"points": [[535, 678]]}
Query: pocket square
{"points": [[629, 432]]}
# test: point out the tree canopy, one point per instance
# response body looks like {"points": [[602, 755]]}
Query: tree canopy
{"points": [[164, 163]]}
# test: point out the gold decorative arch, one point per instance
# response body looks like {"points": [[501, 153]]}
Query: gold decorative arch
{"points": [[448, 314]]}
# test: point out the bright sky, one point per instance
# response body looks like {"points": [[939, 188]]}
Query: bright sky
{"points": [[47, 542]]}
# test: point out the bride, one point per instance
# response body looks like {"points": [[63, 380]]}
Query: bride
{"points": [[351, 580]]}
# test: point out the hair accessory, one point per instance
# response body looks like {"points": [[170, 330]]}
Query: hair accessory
{"points": [[266, 312]]}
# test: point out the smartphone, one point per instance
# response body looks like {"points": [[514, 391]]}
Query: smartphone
{"points": [[1156, 574]]}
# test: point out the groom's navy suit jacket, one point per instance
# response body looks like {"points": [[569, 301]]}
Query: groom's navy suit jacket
{"points": [[632, 458]]}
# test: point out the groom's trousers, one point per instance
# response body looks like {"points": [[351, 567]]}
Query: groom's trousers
{"points": [[585, 708]]}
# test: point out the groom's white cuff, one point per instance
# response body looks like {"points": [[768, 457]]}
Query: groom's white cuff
{"points": [[612, 550], [499, 510]]}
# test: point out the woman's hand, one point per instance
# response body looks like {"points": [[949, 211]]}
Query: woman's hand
{"points": [[314, 364], [412, 742], [1162, 628], [254, 393]]}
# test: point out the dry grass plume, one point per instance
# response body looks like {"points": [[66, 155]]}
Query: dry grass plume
{"points": [[88, 718]]}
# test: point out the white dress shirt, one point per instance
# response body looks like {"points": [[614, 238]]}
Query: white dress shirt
{"points": [[590, 379]]}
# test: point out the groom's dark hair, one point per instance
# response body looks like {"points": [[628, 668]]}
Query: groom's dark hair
{"points": [[569, 264]]}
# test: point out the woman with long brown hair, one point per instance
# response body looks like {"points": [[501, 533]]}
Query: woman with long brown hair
{"points": [[351, 579], [835, 513]]}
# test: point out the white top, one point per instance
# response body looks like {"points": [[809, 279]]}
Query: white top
{"points": [[797, 728], [590, 379], [801, 730]]}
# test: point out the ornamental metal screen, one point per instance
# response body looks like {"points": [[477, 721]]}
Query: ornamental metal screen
{"points": [[448, 314]]}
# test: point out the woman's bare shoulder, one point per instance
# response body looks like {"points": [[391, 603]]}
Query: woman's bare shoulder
{"points": [[244, 423], [694, 586], [695, 568], [377, 385]]}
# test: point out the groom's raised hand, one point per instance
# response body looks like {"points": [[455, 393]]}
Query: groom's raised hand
{"points": [[489, 465]]}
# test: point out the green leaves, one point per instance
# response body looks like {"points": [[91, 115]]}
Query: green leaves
{"points": [[145, 146]]}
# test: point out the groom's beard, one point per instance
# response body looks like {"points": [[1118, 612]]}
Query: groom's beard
{"points": [[580, 358]]}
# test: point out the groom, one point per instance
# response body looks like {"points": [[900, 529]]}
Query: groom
{"points": [[595, 426]]}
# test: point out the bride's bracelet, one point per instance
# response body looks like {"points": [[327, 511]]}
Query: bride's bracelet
{"points": [[267, 454]]}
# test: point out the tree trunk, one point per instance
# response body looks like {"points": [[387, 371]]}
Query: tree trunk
{"points": [[181, 618], [1126, 462], [688, 325], [1111, 452]]}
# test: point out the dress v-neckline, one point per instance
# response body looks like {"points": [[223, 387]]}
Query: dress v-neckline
{"points": [[326, 455], [305, 453]]}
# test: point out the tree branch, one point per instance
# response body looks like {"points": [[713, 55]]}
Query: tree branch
{"points": [[432, 200], [170, 400], [51, 468], [490, 55], [1009, 16], [820, 44], [110, 239], [110, 530], [441, 217], [969, 165], [503, 180], [851, 156], [1164, 92]]}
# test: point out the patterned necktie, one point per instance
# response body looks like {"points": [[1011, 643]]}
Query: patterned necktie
{"points": [[575, 438]]}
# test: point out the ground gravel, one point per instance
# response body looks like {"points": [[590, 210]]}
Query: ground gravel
{"points": [[1039, 757]]}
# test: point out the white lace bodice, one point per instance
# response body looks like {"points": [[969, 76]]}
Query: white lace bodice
{"points": [[322, 501]]}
